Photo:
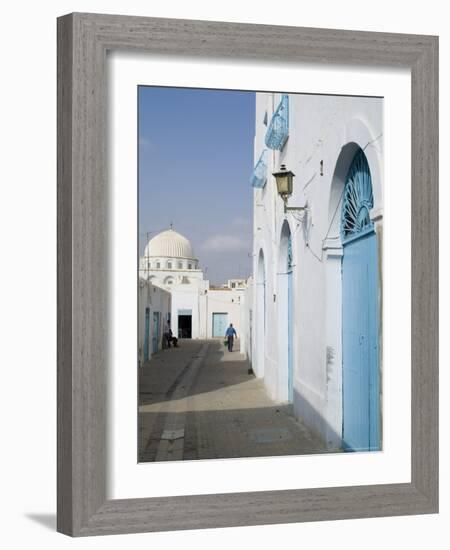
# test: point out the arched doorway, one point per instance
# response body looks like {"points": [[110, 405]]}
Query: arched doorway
{"points": [[260, 320], [360, 311], [285, 312]]}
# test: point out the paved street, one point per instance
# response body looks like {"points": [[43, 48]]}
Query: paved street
{"points": [[199, 401]]}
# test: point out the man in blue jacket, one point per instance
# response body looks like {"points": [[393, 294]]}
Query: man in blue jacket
{"points": [[230, 334]]}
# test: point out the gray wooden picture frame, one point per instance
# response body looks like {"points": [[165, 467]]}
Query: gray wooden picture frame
{"points": [[83, 41]]}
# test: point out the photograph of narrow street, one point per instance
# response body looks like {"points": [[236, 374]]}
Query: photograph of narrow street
{"points": [[259, 274]]}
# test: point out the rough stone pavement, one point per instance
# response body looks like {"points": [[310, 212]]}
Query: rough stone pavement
{"points": [[199, 401]]}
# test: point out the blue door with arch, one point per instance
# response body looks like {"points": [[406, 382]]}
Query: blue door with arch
{"points": [[360, 312], [289, 320]]}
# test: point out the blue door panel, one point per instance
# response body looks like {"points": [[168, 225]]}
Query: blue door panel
{"points": [[289, 336], [156, 331], [360, 350], [147, 334], [290, 361], [220, 324]]}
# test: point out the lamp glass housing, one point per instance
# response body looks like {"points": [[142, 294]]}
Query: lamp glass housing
{"points": [[284, 179], [284, 184]]}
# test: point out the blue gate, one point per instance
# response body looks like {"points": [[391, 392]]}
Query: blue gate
{"points": [[146, 334], [360, 313], [289, 323], [220, 324]]}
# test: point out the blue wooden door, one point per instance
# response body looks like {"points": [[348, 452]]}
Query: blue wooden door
{"points": [[147, 334], [289, 336], [156, 331], [289, 322], [220, 324], [360, 314]]}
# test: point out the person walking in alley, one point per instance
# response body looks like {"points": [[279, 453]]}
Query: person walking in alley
{"points": [[167, 334], [230, 334]]}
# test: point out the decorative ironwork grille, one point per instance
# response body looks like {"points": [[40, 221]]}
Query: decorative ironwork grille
{"points": [[278, 130], [259, 176], [358, 198]]}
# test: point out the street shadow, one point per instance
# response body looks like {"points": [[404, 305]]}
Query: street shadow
{"points": [[46, 520], [231, 433], [238, 423], [159, 379]]}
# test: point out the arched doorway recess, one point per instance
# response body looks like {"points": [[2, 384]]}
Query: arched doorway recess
{"points": [[285, 297]]}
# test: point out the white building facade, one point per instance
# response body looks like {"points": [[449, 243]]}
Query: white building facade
{"points": [[154, 307], [225, 305], [169, 263], [198, 310], [317, 271]]}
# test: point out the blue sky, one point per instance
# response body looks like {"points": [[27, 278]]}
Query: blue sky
{"points": [[195, 161]]}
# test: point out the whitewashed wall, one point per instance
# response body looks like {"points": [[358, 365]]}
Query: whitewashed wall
{"points": [[186, 287], [224, 301], [247, 320], [157, 300], [319, 128]]}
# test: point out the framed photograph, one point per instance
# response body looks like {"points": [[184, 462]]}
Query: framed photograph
{"points": [[247, 274]]}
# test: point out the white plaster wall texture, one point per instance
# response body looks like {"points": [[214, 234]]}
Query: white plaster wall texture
{"points": [[185, 300], [247, 315], [319, 127], [226, 301]]}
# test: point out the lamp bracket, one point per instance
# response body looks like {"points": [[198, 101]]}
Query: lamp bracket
{"points": [[288, 209]]}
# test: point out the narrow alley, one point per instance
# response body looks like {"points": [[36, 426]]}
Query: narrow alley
{"points": [[199, 401]]}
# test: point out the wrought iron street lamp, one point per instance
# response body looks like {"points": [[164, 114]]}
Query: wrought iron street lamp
{"points": [[285, 185]]}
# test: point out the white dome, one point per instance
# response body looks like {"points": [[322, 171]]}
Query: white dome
{"points": [[169, 244]]}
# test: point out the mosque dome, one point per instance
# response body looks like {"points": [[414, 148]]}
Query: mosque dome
{"points": [[169, 244]]}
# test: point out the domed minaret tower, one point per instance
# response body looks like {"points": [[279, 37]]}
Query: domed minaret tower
{"points": [[167, 257], [170, 263]]}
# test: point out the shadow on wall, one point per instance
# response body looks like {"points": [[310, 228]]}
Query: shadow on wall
{"points": [[316, 422]]}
